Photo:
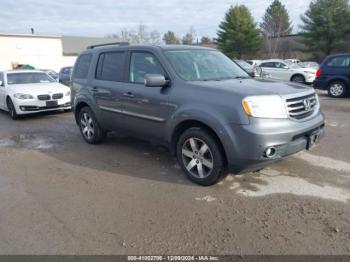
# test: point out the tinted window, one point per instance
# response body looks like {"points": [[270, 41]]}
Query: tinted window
{"points": [[268, 64], [82, 66], [142, 64], [110, 66], [280, 65], [342, 61], [2, 79]]}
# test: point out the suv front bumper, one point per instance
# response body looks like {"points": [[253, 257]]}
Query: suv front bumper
{"points": [[246, 145]]}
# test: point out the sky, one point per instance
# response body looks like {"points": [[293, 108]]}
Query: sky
{"points": [[104, 17]]}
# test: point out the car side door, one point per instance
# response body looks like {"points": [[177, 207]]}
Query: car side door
{"points": [[108, 86], [146, 108], [283, 71], [269, 67]]}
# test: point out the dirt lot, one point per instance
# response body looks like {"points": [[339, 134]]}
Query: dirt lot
{"points": [[61, 196]]}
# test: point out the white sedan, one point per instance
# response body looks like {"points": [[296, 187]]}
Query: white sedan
{"points": [[287, 71], [28, 91]]}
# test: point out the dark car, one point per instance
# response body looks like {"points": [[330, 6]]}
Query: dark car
{"points": [[51, 73], [64, 75], [334, 75], [197, 102]]}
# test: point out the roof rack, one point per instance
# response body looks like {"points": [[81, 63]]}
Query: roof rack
{"points": [[107, 44]]}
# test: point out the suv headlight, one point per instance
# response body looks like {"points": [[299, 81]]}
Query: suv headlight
{"points": [[23, 96], [271, 106]]}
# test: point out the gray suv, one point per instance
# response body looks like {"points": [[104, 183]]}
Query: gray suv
{"points": [[208, 111]]}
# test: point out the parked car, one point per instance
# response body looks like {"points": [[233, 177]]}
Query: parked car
{"points": [[253, 71], [27, 91], [254, 62], [295, 61], [65, 74], [288, 71], [309, 64], [196, 101], [51, 73], [334, 75]]}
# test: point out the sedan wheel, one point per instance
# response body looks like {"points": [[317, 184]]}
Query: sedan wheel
{"points": [[298, 79], [337, 89]]}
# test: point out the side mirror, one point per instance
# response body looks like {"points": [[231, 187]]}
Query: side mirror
{"points": [[155, 80]]}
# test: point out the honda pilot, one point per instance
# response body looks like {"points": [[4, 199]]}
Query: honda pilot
{"points": [[209, 112]]}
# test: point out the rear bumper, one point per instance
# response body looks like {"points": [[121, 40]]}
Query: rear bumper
{"points": [[246, 145], [321, 84]]}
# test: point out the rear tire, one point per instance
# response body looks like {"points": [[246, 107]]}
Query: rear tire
{"points": [[89, 127], [12, 110], [298, 79], [201, 157], [337, 89]]}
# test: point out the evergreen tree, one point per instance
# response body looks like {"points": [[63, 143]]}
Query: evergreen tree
{"points": [[238, 34], [325, 25], [276, 21], [170, 38]]}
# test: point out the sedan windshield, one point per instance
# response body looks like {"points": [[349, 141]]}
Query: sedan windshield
{"points": [[28, 78], [204, 65]]}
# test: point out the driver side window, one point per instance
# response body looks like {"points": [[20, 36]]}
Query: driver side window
{"points": [[142, 63]]}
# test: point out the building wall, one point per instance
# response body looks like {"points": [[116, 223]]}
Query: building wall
{"points": [[39, 51]]}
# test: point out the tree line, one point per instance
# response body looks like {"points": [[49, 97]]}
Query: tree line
{"points": [[325, 26]]}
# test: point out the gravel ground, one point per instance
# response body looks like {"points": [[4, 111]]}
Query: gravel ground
{"points": [[60, 195]]}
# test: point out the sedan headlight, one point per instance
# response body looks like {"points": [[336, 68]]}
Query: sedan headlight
{"points": [[265, 106], [23, 96]]}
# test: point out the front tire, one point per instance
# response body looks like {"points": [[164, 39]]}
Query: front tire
{"points": [[89, 127], [12, 110], [298, 79], [200, 157], [337, 89]]}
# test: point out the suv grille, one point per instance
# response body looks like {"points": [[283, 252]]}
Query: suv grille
{"points": [[44, 97], [301, 107], [57, 96]]}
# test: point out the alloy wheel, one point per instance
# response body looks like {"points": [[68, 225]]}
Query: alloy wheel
{"points": [[336, 89], [197, 158], [87, 126]]}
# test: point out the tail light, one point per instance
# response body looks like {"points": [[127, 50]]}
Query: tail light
{"points": [[318, 73]]}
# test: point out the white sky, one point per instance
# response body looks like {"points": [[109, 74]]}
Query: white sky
{"points": [[103, 17]]}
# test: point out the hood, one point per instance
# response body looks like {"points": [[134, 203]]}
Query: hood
{"points": [[251, 87], [38, 89]]}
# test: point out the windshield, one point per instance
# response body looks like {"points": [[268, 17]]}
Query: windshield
{"points": [[204, 65], [28, 78]]}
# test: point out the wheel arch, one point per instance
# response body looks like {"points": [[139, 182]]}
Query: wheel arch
{"points": [[297, 74], [189, 123]]}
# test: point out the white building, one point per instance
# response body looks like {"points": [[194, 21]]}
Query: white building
{"points": [[43, 51]]}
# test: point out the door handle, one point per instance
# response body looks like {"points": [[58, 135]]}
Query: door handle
{"points": [[129, 94]]}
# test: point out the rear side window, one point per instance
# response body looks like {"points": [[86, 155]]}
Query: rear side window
{"points": [[110, 66], [1, 79], [341, 61], [82, 66], [269, 64]]}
